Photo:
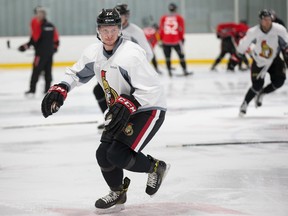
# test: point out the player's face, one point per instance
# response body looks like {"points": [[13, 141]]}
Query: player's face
{"points": [[109, 35], [266, 23]]}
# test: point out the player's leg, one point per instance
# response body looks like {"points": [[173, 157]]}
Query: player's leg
{"points": [[113, 176], [220, 57], [167, 54], [38, 66], [277, 76], [257, 84], [180, 52], [139, 131], [100, 97], [232, 50], [48, 73], [155, 64]]}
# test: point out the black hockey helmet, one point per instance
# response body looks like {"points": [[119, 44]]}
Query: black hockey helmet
{"points": [[108, 17], [122, 9], [264, 13], [172, 7]]}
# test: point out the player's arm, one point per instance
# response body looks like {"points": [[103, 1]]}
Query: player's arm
{"points": [[283, 43], [181, 28], [56, 41]]}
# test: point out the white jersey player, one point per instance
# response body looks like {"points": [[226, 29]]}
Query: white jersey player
{"points": [[133, 32], [136, 111], [129, 32], [268, 40]]}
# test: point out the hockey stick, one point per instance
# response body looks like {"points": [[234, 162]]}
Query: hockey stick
{"points": [[227, 143], [48, 125], [8, 44]]}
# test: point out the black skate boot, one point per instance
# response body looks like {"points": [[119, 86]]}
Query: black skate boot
{"points": [[158, 172], [114, 201]]}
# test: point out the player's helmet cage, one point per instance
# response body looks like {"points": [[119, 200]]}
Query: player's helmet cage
{"points": [[264, 13], [122, 9], [108, 17], [172, 7]]}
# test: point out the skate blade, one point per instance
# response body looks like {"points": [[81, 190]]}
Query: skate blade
{"points": [[164, 176], [114, 209]]}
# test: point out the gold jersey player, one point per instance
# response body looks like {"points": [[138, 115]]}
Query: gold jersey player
{"points": [[136, 108]]}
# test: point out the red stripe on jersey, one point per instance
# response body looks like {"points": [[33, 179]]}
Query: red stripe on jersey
{"points": [[144, 129]]}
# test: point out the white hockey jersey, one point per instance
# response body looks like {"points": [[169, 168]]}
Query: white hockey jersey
{"points": [[266, 46], [133, 33], [126, 71]]}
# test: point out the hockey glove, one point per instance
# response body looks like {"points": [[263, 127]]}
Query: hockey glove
{"points": [[119, 114], [23, 47], [54, 99]]}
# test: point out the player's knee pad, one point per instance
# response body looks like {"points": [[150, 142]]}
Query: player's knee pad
{"points": [[278, 83], [120, 155], [101, 156], [257, 85], [99, 93]]}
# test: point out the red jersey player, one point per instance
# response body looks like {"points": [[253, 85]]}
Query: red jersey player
{"points": [[152, 35], [172, 29], [226, 32]]}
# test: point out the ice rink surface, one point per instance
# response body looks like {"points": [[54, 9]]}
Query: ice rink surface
{"points": [[48, 166]]}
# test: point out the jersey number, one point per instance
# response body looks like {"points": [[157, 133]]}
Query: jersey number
{"points": [[171, 26]]}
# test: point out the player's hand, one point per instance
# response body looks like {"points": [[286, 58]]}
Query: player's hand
{"points": [[119, 114], [54, 99], [23, 47]]}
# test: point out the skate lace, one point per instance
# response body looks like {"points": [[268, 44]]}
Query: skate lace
{"points": [[152, 180], [112, 196]]}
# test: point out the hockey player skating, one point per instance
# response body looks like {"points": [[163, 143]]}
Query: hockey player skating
{"points": [[136, 104], [172, 30], [131, 32], [269, 39], [226, 33]]}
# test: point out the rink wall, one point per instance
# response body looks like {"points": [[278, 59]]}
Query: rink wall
{"points": [[199, 49]]}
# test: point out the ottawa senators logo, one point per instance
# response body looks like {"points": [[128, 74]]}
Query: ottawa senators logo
{"points": [[129, 129], [110, 94], [266, 50]]}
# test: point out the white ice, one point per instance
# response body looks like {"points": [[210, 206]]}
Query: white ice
{"points": [[51, 170]]}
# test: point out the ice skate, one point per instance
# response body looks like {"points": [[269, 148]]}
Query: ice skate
{"points": [[155, 179], [29, 94], [114, 201], [243, 109], [259, 99]]}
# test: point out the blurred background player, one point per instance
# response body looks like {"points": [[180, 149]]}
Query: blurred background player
{"points": [[226, 33], [240, 32], [45, 39], [152, 35], [172, 30], [276, 19], [269, 39], [131, 32]]}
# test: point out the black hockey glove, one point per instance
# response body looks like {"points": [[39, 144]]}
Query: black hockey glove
{"points": [[54, 99], [23, 47], [119, 114]]}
